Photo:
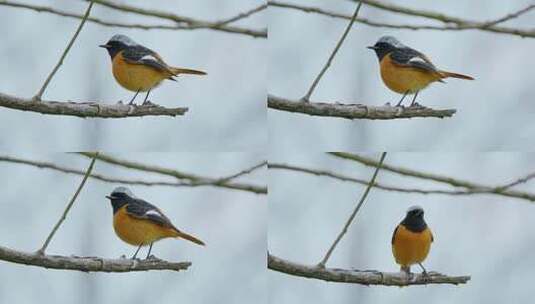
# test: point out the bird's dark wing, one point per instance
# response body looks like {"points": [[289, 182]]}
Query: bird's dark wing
{"points": [[141, 209], [139, 54], [394, 234], [412, 58]]}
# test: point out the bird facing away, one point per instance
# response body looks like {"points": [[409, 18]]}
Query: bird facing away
{"points": [[411, 240], [405, 70], [140, 69], [140, 223]]}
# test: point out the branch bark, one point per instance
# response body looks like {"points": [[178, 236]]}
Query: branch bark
{"points": [[88, 264], [354, 111], [87, 109], [363, 277]]}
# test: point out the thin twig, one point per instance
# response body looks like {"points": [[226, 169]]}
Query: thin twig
{"points": [[68, 208], [345, 178], [123, 181], [352, 216], [306, 98], [467, 25], [39, 94], [243, 15], [363, 277], [195, 180], [474, 187], [223, 180]]}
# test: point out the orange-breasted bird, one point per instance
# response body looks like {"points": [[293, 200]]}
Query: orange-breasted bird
{"points": [[139, 223], [405, 70], [139, 69], [412, 240]]}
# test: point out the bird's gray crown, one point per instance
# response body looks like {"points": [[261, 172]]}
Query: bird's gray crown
{"points": [[391, 40], [124, 39], [123, 190]]}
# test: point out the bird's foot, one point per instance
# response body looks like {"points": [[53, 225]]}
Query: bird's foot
{"points": [[147, 103]]}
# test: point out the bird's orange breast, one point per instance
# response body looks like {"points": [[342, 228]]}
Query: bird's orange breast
{"points": [[402, 79], [411, 247], [136, 77], [138, 232]]}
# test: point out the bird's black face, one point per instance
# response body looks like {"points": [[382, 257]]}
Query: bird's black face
{"points": [[414, 220], [118, 199], [382, 48], [114, 47]]}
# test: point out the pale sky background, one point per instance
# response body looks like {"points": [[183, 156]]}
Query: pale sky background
{"points": [[230, 269], [488, 237], [495, 112], [227, 107]]}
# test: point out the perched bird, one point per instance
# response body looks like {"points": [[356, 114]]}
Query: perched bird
{"points": [[139, 69], [412, 240], [139, 223], [405, 70]]}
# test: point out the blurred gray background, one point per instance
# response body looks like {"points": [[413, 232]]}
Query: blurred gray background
{"points": [[495, 112], [230, 269], [488, 237], [227, 107]]}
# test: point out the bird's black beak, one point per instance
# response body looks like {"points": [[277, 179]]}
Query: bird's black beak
{"points": [[109, 197], [106, 46], [371, 47]]}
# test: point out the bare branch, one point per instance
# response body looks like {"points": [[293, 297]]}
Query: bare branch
{"points": [[377, 185], [459, 22], [88, 264], [474, 187], [46, 165], [354, 111], [243, 15], [88, 109], [195, 180], [363, 277], [216, 24], [470, 25], [68, 208], [39, 94], [354, 213], [190, 22], [306, 98], [223, 180]]}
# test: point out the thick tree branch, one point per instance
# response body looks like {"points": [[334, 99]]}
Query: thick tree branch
{"points": [[68, 207], [354, 111], [345, 178], [123, 181], [363, 277], [354, 213], [192, 178], [457, 27], [306, 98], [190, 22], [88, 264], [39, 94], [474, 187], [87, 109]]}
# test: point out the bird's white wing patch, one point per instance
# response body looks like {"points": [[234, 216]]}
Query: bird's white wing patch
{"points": [[153, 212], [417, 59], [149, 57]]}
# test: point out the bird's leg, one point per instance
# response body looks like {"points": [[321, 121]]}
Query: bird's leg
{"points": [[412, 103], [147, 96], [403, 97], [424, 272], [135, 254], [407, 271], [132, 101], [150, 248]]}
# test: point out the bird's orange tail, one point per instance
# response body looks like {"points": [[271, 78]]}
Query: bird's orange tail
{"points": [[177, 71], [455, 75], [188, 237]]}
